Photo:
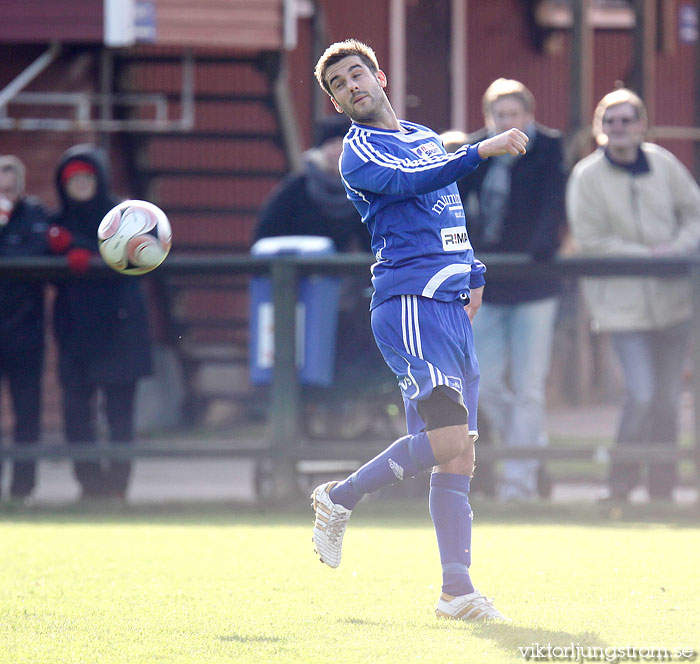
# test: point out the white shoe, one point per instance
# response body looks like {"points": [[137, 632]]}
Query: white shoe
{"points": [[471, 607], [329, 525]]}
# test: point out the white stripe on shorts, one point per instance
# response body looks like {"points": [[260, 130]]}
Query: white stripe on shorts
{"points": [[417, 326], [410, 329], [403, 322]]}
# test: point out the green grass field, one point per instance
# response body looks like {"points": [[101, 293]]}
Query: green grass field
{"points": [[213, 585]]}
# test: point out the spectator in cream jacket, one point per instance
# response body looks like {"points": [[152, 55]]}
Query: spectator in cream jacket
{"points": [[633, 198]]}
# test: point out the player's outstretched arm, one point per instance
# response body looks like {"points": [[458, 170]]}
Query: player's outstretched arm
{"points": [[512, 142]]}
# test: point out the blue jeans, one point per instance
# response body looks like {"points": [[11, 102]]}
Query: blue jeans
{"points": [[514, 348], [652, 364]]}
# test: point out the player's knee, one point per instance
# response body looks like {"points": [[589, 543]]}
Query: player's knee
{"points": [[451, 442], [467, 461], [458, 466], [461, 463], [446, 422]]}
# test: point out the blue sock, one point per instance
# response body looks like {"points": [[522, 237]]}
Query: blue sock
{"points": [[405, 457], [452, 518]]}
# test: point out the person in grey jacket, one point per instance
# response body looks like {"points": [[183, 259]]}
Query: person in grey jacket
{"points": [[633, 198]]}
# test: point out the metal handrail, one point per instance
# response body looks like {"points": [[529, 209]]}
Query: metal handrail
{"points": [[285, 441]]}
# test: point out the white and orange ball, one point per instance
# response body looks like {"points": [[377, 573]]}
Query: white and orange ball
{"points": [[134, 237]]}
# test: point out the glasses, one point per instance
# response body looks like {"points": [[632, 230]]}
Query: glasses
{"points": [[624, 120]]}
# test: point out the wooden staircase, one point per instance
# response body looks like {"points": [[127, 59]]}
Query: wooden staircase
{"points": [[211, 182]]}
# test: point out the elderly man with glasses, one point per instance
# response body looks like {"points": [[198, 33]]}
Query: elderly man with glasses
{"points": [[634, 198]]}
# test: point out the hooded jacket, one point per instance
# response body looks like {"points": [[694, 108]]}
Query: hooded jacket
{"points": [[101, 324], [313, 202], [615, 212]]}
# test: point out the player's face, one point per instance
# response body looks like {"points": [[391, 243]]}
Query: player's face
{"points": [[356, 90], [508, 113], [623, 127]]}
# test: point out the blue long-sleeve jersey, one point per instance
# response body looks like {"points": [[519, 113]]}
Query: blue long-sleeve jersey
{"points": [[403, 185]]}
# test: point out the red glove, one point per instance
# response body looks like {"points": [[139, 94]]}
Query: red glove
{"points": [[59, 239], [79, 260]]}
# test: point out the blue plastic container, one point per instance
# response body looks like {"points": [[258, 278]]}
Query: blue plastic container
{"points": [[316, 311]]}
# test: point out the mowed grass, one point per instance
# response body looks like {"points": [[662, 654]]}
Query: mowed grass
{"points": [[216, 586]]}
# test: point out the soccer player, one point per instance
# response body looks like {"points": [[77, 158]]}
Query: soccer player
{"points": [[427, 287]]}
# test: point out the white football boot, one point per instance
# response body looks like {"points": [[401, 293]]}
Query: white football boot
{"points": [[329, 525], [470, 608]]}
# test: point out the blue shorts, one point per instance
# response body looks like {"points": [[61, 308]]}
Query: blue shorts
{"points": [[427, 343]]}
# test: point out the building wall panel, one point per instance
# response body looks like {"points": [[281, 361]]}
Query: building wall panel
{"points": [[498, 48], [224, 231], [197, 191], [504, 48], [45, 20], [367, 20], [225, 77], [166, 153], [240, 116], [251, 24]]}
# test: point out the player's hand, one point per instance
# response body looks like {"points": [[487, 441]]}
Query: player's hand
{"points": [[512, 142], [475, 297]]}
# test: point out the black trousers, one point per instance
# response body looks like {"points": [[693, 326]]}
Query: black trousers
{"points": [[80, 417], [22, 371]]}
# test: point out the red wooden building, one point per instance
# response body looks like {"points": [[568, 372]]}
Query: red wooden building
{"points": [[204, 105]]}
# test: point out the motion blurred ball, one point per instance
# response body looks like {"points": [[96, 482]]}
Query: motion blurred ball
{"points": [[134, 237]]}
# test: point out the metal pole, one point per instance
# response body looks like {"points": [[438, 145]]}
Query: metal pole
{"points": [[697, 98], [285, 115], [187, 94], [636, 82], [397, 56], [695, 286], [285, 400], [30, 73], [459, 65], [319, 99], [644, 70], [581, 71], [106, 94], [581, 82]]}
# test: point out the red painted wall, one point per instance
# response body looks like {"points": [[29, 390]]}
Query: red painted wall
{"points": [[497, 47], [503, 48], [46, 20]]}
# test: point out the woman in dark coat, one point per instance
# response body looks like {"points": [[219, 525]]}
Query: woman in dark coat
{"points": [[101, 324]]}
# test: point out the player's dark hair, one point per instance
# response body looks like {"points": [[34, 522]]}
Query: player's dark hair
{"points": [[336, 52]]}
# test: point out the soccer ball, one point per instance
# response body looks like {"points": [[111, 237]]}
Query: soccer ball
{"points": [[134, 237]]}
